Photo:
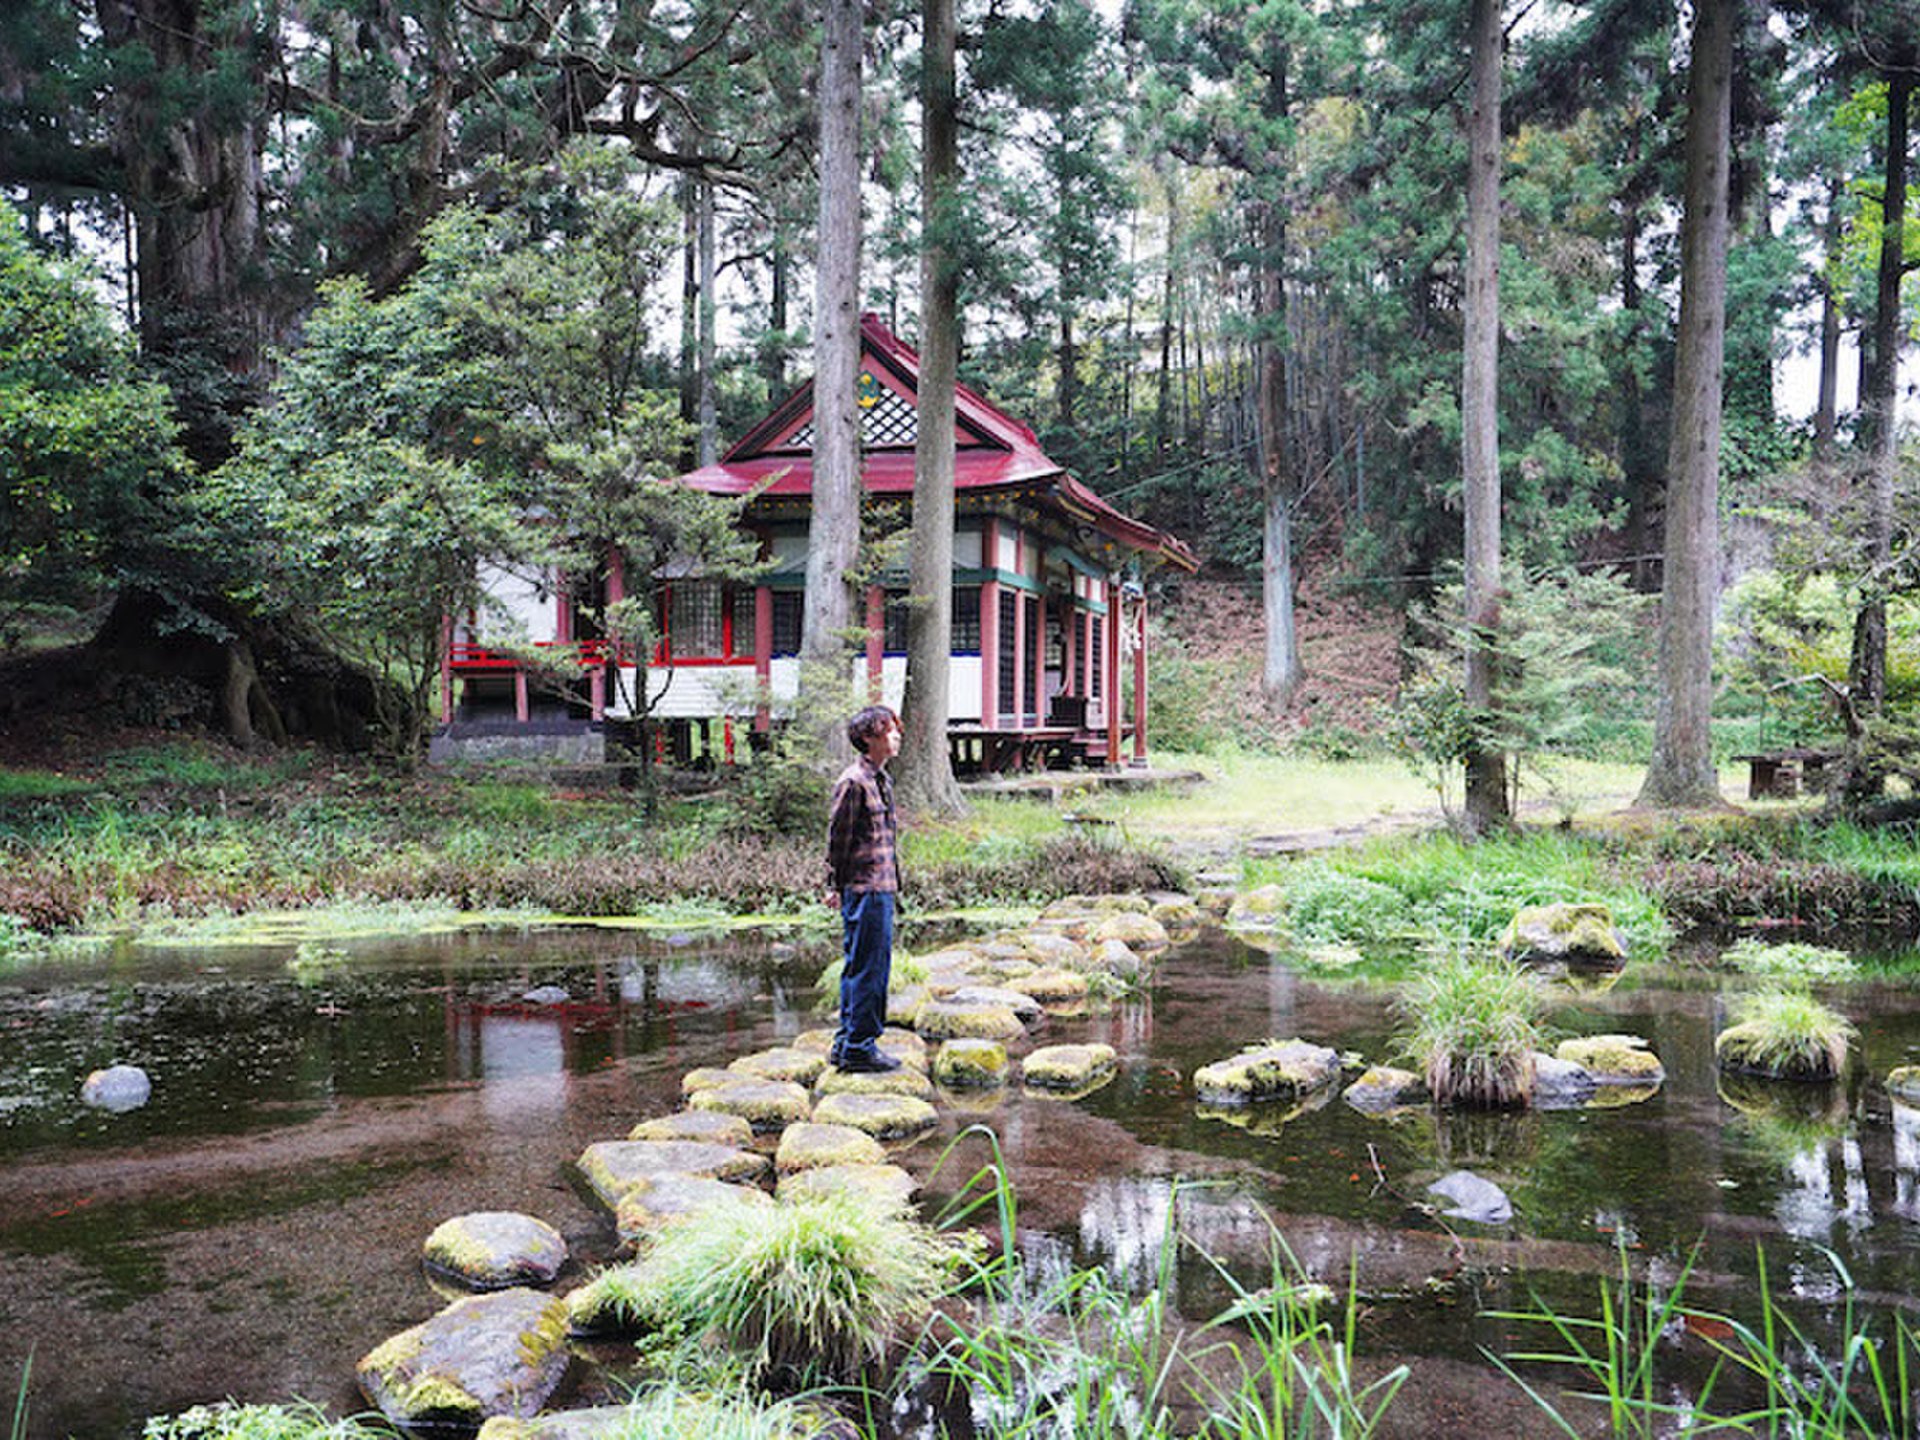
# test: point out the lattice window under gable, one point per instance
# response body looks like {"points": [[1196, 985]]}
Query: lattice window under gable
{"points": [[889, 423]]}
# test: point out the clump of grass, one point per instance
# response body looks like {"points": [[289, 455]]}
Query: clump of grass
{"points": [[1325, 904], [1472, 1027], [1786, 1034], [1791, 961], [812, 1290], [300, 1420], [674, 1412]]}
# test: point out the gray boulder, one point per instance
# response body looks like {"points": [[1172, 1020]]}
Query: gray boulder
{"points": [[1561, 1084], [116, 1089], [1480, 1201], [493, 1249], [1564, 934], [487, 1355]]}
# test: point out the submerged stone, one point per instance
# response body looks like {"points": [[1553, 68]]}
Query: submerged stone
{"points": [[801, 1067], [764, 1104], [1475, 1199], [487, 1355], [493, 1249], [667, 1199], [958, 1019], [116, 1089], [1271, 1070], [1068, 1067], [1614, 1059], [887, 1185], [1563, 933], [613, 1167], [812, 1146], [708, 1125], [1383, 1087], [971, 1064], [885, 1117]]}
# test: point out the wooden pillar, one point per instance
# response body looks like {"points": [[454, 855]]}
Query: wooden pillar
{"points": [[597, 692], [1038, 640], [522, 708], [1111, 673], [1020, 674], [1070, 641], [876, 636], [990, 627], [1140, 683], [763, 658]]}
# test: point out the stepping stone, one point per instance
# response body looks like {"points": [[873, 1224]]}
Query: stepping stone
{"points": [[1383, 1088], [705, 1078], [904, 1081], [903, 1005], [1052, 987], [1177, 912], [1140, 933], [494, 1249], [764, 1104], [1073, 905], [486, 1355], [613, 1167], [1068, 1067], [802, 1067], [602, 1422], [888, 1184], [905, 1046], [812, 1146], [1025, 1008], [971, 1064], [708, 1125], [1258, 909], [1560, 1084], [667, 1199], [1271, 1070], [1053, 951], [1116, 958], [959, 1020], [1614, 1059], [1214, 900], [885, 1117]]}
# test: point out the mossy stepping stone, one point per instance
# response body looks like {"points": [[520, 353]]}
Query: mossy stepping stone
{"points": [[1258, 909], [1176, 913], [1564, 933], [904, 1081], [1052, 986], [709, 1125], [705, 1078], [613, 1167], [1070, 905], [812, 1146], [802, 1067], [1270, 1070], [1140, 933], [1385, 1087], [1052, 950], [494, 1249], [497, 1354], [1614, 1059], [904, 1004], [602, 1422], [763, 1104], [1214, 900], [964, 1020], [1068, 1067], [1026, 1009], [1903, 1084], [885, 1117], [667, 1199], [1115, 958], [888, 1185], [971, 1064], [905, 1046]]}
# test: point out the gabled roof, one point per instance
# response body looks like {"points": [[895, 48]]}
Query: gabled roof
{"points": [[993, 452]]}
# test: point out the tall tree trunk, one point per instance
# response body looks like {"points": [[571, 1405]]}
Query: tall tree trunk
{"points": [[1488, 807], [1067, 391], [833, 541], [1826, 414], [1680, 773], [1281, 673], [925, 767], [690, 321], [709, 422], [773, 355], [1867, 667]]}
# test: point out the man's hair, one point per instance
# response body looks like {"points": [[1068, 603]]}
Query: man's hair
{"points": [[869, 723]]}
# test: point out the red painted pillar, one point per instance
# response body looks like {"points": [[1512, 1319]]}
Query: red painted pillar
{"points": [[1140, 683], [1019, 653], [1070, 642], [990, 628], [522, 709], [1112, 674], [876, 635], [763, 657], [1037, 638]]}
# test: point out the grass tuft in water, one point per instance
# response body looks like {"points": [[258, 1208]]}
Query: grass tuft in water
{"points": [[1791, 962], [1786, 1034], [675, 1412], [1472, 1027], [19, 1431], [298, 1420]]}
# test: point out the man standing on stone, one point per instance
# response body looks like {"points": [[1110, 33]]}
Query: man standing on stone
{"points": [[863, 879]]}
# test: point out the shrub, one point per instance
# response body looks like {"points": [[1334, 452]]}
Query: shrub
{"points": [[1472, 1029], [1786, 1034], [1790, 962], [1329, 905]]}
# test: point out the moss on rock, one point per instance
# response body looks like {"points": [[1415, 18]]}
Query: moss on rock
{"points": [[1566, 933], [904, 1081], [885, 1117], [493, 1249], [707, 1125], [766, 1105], [1270, 1070], [705, 1078], [961, 1020], [801, 1067], [971, 1064], [668, 1199], [1140, 933], [1384, 1088], [498, 1354], [1903, 1083], [613, 1167], [813, 1146], [886, 1185], [1052, 986], [1614, 1059], [1069, 1067]]}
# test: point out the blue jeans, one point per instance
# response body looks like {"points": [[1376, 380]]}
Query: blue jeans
{"points": [[866, 945]]}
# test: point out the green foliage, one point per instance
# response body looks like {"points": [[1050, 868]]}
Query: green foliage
{"points": [[1790, 961], [300, 1420], [1472, 1026], [1786, 1033], [1326, 904], [676, 1412], [87, 451]]}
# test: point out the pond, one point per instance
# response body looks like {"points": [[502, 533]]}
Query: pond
{"points": [[256, 1227]]}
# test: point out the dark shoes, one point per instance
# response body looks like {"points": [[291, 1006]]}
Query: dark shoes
{"points": [[875, 1063]]}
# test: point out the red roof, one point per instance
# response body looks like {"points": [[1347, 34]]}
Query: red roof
{"points": [[993, 451]]}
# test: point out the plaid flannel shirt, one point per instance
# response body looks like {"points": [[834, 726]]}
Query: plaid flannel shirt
{"points": [[860, 831]]}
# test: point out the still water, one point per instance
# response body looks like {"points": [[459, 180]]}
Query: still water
{"points": [[256, 1227]]}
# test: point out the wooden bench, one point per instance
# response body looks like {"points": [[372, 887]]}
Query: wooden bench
{"points": [[1781, 774]]}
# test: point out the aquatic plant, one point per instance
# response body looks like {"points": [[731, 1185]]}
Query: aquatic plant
{"points": [[1471, 1028], [1784, 1033], [1790, 961], [676, 1412], [298, 1420]]}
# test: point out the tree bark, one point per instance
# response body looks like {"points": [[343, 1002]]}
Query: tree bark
{"points": [[1680, 773], [1282, 672], [924, 771], [709, 447], [1487, 804], [833, 541], [1826, 414], [1867, 666]]}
